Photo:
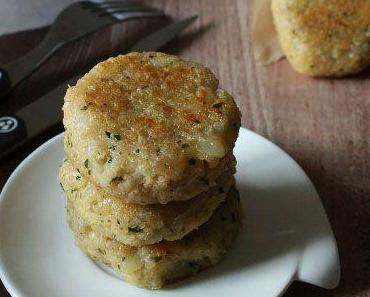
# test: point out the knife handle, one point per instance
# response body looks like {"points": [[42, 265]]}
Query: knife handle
{"points": [[5, 85], [13, 132]]}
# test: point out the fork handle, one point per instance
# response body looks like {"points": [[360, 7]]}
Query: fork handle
{"points": [[13, 132], [5, 86], [14, 72]]}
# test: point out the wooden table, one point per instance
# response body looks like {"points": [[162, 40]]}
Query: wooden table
{"points": [[323, 124]]}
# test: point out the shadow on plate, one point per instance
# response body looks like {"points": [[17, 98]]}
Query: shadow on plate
{"points": [[277, 221]]}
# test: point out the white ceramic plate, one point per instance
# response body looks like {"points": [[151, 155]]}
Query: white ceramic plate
{"points": [[286, 235]]}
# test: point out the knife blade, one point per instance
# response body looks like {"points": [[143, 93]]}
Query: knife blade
{"points": [[18, 128], [158, 38]]}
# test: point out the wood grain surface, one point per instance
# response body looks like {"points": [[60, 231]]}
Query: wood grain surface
{"points": [[323, 124]]}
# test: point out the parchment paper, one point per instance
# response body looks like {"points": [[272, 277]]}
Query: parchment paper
{"points": [[265, 41]]}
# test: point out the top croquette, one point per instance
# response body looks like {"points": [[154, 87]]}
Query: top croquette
{"points": [[150, 127]]}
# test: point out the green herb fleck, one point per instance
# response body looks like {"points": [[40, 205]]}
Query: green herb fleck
{"points": [[117, 179], [192, 162], [217, 105], [156, 258], [137, 151], [109, 159], [86, 163], [123, 259], [194, 264], [118, 222], [85, 106], [78, 177], [101, 251], [62, 187], [73, 190], [119, 267], [89, 172], [112, 147], [205, 180], [117, 137], [207, 259], [108, 134], [136, 229], [185, 145]]}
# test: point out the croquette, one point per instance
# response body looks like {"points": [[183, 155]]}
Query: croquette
{"points": [[135, 224], [324, 38], [154, 266], [150, 127]]}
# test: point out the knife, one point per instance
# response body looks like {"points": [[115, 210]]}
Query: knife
{"points": [[18, 128]]}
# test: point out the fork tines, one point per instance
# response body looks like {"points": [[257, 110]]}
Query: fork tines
{"points": [[119, 9]]}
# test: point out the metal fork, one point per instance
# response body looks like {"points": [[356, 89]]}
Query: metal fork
{"points": [[74, 22]]}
